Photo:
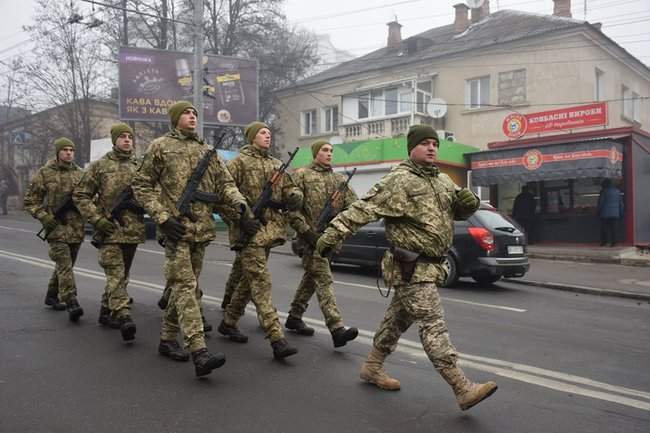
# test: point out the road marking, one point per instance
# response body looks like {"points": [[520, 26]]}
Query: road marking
{"points": [[562, 382], [460, 301], [15, 229]]}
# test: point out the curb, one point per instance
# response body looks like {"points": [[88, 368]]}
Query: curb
{"points": [[583, 289], [625, 261]]}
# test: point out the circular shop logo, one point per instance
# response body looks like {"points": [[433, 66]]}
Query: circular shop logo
{"points": [[532, 159], [148, 82], [514, 125]]}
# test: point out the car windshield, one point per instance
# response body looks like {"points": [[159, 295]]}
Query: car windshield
{"points": [[493, 220]]}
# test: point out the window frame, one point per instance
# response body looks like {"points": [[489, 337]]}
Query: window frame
{"points": [[308, 128], [468, 92]]}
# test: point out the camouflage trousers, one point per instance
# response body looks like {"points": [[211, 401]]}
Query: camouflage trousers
{"points": [[255, 285], [419, 303], [233, 280], [317, 278], [183, 263], [62, 282], [116, 259]]}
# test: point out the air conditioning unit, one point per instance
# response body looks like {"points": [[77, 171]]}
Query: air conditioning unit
{"points": [[447, 135]]}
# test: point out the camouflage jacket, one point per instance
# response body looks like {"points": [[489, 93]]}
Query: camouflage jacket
{"points": [[47, 191], [251, 169], [317, 183], [100, 185], [167, 165], [419, 205]]}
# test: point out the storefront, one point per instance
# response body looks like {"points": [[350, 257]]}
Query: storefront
{"points": [[565, 173], [373, 159]]}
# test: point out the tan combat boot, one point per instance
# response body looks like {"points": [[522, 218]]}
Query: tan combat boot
{"points": [[467, 392], [372, 371]]}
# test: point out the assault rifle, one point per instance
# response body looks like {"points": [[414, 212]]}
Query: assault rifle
{"points": [[331, 207], [67, 205], [191, 192], [264, 200], [123, 202]]}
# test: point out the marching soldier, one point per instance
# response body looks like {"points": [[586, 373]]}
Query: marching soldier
{"points": [[318, 183], [418, 204], [251, 169], [49, 199], [117, 236], [168, 164]]}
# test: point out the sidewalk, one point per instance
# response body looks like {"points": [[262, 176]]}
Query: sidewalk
{"points": [[630, 256]]}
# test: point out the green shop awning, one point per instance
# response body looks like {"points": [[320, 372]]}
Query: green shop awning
{"points": [[384, 150]]}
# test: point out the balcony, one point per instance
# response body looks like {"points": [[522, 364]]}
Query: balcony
{"points": [[364, 130]]}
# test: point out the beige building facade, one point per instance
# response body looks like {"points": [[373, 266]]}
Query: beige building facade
{"points": [[477, 71]]}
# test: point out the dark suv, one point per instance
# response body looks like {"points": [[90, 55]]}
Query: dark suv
{"points": [[486, 247]]}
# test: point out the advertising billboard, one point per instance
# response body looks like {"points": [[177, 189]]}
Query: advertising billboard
{"points": [[152, 80]]}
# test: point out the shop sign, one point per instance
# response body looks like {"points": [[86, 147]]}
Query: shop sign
{"points": [[516, 125], [533, 159]]}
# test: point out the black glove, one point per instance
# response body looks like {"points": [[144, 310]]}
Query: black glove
{"points": [[249, 224], [311, 238], [294, 201], [173, 229]]}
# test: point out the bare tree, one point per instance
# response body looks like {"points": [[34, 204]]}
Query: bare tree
{"points": [[67, 70]]}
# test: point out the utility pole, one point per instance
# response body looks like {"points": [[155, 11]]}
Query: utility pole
{"points": [[197, 78], [125, 28]]}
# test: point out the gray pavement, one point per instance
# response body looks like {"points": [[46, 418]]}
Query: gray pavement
{"points": [[563, 362]]}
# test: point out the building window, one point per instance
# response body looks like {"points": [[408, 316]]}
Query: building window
{"points": [[424, 95], [309, 122], [392, 101], [477, 92], [631, 104], [364, 105], [330, 119], [599, 85], [512, 87]]}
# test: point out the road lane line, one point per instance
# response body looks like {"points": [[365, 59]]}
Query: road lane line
{"points": [[15, 229], [565, 383], [460, 301]]}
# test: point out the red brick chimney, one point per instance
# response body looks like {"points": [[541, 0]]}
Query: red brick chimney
{"points": [[562, 8], [394, 35], [479, 13], [462, 21]]}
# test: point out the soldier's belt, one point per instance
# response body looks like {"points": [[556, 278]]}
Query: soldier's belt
{"points": [[407, 260]]}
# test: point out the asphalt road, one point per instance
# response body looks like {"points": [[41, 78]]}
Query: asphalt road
{"points": [[564, 362]]}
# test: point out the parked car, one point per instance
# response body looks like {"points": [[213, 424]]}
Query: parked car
{"points": [[487, 246]]}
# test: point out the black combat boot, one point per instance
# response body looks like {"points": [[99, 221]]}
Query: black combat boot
{"points": [[53, 301], [74, 309], [173, 350], [205, 362], [207, 327], [298, 326], [341, 335], [127, 328], [106, 319], [232, 332], [281, 349]]}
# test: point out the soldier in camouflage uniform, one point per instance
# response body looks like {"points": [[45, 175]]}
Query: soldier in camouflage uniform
{"points": [[51, 186], [103, 181], [418, 204], [317, 182], [168, 163], [251, 169]]}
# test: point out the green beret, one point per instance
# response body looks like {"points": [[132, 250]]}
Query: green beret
{"points": [[118, 130], [177, 109], [253, 128], [417, 133], [316, 145], [62, 142]]}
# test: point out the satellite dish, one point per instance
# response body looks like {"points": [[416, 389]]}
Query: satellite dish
{"points": [[336, 139], [475, 4], [437, 108]]}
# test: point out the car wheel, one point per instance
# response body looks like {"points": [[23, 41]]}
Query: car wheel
{"points": [[486, 279], [452, 270]]}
